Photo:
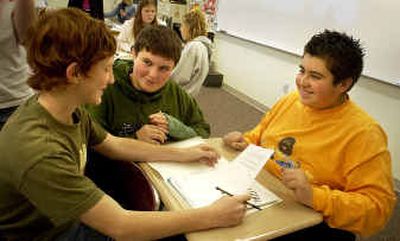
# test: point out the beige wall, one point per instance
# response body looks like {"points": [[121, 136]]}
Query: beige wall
{"points": [[58, 3], [264, 74]]}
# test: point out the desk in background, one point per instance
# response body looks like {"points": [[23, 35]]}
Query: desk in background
{"points": [[277, 220]]}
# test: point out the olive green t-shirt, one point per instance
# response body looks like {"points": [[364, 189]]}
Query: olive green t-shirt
{"points": [[42, 186]]}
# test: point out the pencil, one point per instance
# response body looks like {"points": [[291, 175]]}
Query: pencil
{"points": [[230, 194]]}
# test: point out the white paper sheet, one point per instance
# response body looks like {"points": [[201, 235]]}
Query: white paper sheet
{"points": [[197, 182]]}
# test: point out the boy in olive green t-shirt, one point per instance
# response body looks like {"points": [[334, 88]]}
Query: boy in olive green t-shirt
{"points": [[43, 192]]}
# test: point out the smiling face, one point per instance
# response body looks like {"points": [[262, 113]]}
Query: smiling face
{"points": [[148, 13], [151, 72], [315, 84], [98, 78]]}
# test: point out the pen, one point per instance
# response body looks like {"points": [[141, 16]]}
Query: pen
{"points": [[230, 194]]}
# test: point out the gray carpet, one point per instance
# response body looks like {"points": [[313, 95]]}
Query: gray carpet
{"points": [[226, 113]]}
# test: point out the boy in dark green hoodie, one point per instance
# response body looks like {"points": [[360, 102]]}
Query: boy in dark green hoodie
{"points": [[143, 103]]}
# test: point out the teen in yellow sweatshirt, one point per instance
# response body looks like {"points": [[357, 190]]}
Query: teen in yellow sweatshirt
{"points": [[342, 167]]}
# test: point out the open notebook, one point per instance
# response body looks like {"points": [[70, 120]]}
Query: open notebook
{"points": [[197, 183]]}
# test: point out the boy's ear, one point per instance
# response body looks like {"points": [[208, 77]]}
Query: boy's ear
{"points": [[72, 73], [133, 52], [345, 84]]}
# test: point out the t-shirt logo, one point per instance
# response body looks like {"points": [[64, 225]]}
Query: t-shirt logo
{"points": [[283, 152]]}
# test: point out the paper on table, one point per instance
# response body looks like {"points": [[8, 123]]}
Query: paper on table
{"points": [[172, 169], [199, 189], [253, 158], [198, 185]]}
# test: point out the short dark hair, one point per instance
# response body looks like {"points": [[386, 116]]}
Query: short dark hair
{"points": [[159, 40], [342, 53], [61, 37]]}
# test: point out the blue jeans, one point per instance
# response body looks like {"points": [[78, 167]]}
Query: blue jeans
{"points": [[5, 113], [81, 232]]}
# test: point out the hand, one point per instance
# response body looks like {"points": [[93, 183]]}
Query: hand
{"points": [[235, 140], [201, 153], [228, 211], [151, 134], [159, 120], [296, 180]]}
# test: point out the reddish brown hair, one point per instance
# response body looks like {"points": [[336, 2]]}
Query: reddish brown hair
{"points": [[196, 24], [62, 37]]}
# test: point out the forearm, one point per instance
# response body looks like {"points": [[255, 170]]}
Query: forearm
{"points": [[127, 149], [178, 130], [109, 218], [23, 16], [156, 225], [202, 130], [253, 136], [370, 209]]}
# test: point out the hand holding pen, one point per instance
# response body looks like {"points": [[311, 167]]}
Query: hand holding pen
{"points": [[229, 194], [227, 211]]}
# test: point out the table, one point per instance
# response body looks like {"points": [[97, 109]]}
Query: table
{"points": [[277, 220]]}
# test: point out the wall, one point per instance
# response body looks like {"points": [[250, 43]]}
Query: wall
{"points": [[108, 4], [288, 24], [264, 74]]}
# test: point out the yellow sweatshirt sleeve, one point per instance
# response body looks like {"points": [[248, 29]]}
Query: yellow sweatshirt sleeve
{"points": [[367, 200], [254, 136]]}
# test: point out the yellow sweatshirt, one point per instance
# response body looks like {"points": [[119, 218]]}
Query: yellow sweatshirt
{"points": [[343, 151]]}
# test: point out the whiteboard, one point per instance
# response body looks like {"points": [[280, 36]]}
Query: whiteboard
{"points": [[288, 24]]}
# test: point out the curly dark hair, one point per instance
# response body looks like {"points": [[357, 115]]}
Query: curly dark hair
{"points": [[159, 40], [342, 53]]}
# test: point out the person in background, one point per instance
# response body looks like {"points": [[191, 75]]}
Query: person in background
{"points": [[144, 103], [43, 192], [193, 67], [93, 7], [15, 18], [123, 11], [146, 14], [341, 166]]}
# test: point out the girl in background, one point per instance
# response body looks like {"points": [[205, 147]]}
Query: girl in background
{"points": [[145, 15], [193, 66]]}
